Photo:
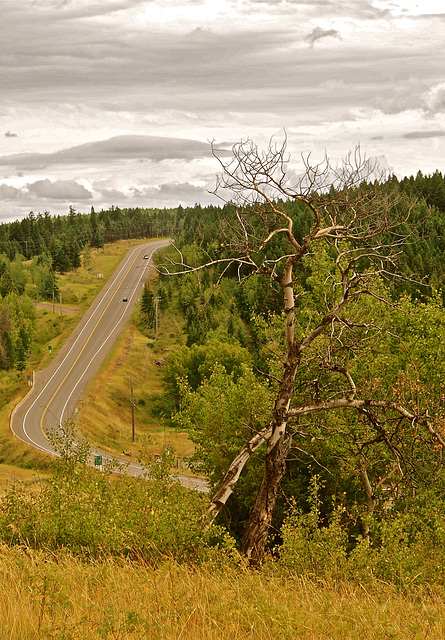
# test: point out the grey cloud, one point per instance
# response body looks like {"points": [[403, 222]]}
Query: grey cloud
{"points": [[163, 195], [154, 71], [418, 135], [66, 10], [112, 196], [318, 34], [406, 95], [172, 194], [83, 59], [152, 148], [80, 58], [274, 3], [70, 10], [59, 190], [8, 193], [364, 9], [169, 189], [9, 134], [136, 147]]}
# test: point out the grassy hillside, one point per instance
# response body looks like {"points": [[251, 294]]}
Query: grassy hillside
{"points": [[58, 596], [105, 416], [98, 555]]}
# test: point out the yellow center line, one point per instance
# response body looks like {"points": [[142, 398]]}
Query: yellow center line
{"points": [[86, 342]]}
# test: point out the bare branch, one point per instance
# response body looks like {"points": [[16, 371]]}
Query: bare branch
{"points": [[346, 403], [229, 481]]}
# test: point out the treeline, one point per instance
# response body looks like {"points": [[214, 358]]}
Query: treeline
{"points": [[420, 264], [64, 237], [55, 245]]}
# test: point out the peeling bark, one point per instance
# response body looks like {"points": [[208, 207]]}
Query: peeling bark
{"points": [[260, 518], [228, 484]]}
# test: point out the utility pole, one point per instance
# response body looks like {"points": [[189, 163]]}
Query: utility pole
{"points": [[156, 301]]}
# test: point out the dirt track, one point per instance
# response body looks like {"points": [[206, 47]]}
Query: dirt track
{"points": [[68, 311]]}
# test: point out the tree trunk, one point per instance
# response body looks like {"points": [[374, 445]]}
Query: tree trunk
{"points": [[371, 501], [260, 518]]}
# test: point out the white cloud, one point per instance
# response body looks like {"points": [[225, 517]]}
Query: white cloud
{"points": [[435, 98], [414, 7], [172, 194]]}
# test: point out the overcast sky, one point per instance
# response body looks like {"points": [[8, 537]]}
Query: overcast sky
{"points": [[114, 102]]}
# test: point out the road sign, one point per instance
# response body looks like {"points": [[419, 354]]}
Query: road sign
{"points": [[97, 461]]}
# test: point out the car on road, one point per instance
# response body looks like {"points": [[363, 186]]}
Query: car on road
{"points": [[124, 300], [145, 257]]}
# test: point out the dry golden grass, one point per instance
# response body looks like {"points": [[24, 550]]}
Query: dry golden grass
{"points": [[45, 597], [15, 456], [10, 474], [105, 417], [78, 288]]}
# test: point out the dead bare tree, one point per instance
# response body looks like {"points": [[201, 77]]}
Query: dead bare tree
{"points": [[350, 209]]}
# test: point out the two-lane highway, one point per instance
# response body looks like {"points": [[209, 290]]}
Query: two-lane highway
{"points": [[56, 390]]}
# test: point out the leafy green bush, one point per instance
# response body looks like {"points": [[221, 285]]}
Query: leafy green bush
{"points": [[407, 543], [312, 549], [195, 364], [98, 513]]}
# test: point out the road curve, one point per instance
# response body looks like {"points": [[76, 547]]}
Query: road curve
{"points": [[56, 390]]}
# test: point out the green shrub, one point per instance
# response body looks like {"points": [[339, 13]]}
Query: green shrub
{"points": [[406, 547], [98, 513], [312, 549]]}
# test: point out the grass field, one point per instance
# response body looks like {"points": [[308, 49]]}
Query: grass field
{"points": [[59, 597]]}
